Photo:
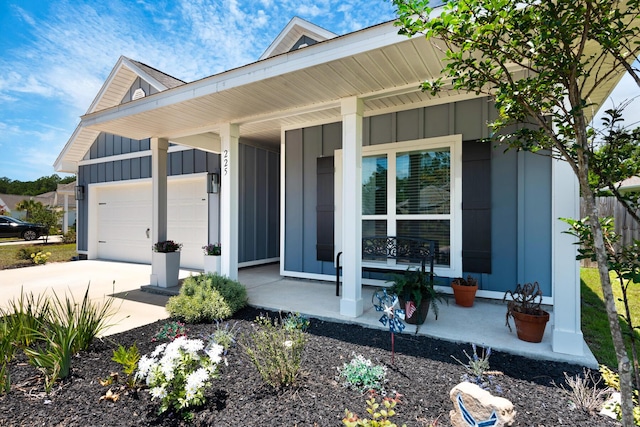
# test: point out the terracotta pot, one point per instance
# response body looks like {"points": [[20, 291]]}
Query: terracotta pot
{"points": [[530, 327], [464, 295], [419, 315]]}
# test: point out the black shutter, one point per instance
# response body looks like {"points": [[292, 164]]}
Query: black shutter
{"points": [[325, 209], [476, 207]]}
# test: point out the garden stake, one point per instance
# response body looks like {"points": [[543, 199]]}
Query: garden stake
{"points": [[391, 315]]}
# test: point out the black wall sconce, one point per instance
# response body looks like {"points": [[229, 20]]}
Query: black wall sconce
{"points": [[213, 183], [79, 192]]}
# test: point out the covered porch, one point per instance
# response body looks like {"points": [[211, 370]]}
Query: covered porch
{"points": [[482, 324]]}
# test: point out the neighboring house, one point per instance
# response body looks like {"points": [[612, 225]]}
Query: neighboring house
{"points": [[361, 151], [62, 199], [65, 201], [630, 185], [4, 207]]}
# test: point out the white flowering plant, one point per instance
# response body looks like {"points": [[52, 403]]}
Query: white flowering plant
{"points": [[177, 373], [362, 375]]}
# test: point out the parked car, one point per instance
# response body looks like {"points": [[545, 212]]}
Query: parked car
{"points": [[12, 227]]}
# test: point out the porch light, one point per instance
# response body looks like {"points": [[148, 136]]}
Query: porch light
{"points": [[79, 192], [213, 183]]}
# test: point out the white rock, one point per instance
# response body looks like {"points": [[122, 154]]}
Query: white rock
{"points": [[473, 406]]}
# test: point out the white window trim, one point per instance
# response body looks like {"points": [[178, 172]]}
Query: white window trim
{"points": [[454, 144]]}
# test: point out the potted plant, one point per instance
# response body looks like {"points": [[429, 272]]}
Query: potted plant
{"points": [[212, 253], [524, 307], [165, 265], [464, 291], [416, 293]]}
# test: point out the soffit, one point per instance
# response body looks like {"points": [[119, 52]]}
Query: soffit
{"points": [[295, 88], [386, 77]]}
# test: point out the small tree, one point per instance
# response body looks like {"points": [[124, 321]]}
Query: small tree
{"points": [[30, 206], [48, 217], [569, 50]]}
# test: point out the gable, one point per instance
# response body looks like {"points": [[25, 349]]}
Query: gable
{"points": [[295, 35], [129, 80], [126, 73], [303, 41]]}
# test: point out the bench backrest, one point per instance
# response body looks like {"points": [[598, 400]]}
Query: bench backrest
{"points": [[400, 248]]}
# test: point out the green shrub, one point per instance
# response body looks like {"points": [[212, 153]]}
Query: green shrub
{"points": [[54, 358], [296, 321], [88, 318], [7, 349], [127, 358], [224, 336], [362, 375], [275, 351], [40, 258], [207, 298], [50, 330], [69, 236], [25, 252], [170, 331], [612, 379], [380, 417], [26, 315]]}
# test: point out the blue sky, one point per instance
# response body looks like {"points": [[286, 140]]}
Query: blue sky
{"points": [[55, 55]]}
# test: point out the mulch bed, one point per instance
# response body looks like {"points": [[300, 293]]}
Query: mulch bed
{"points": [[423, 373]]}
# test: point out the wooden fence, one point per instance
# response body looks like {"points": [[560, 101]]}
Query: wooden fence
{"points": [[625, 224]]}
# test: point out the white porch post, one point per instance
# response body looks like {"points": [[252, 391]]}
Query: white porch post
{"points": [[567, 333], [65, 215], [159, 149], [229, 165], [351, 302]]}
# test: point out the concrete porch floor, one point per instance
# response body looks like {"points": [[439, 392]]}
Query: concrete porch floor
{"points": [[482, 324]]}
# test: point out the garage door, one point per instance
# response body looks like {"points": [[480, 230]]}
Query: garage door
{"points": [[124, 216]]}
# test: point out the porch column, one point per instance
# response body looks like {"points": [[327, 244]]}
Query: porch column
{"points": [[567, 333], [159, 149], [65, 215], [351, 302], [229, 165]]}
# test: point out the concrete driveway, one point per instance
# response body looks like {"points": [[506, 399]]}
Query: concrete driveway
{"points": [[105, 278]]}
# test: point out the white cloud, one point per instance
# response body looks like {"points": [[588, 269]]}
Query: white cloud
{"points": [[64, 51]]}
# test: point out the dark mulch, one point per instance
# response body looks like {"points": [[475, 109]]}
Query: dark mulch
{"points": [[423, 373]]}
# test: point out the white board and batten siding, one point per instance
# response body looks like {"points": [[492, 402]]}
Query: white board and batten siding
{"points": [[124, 216]]}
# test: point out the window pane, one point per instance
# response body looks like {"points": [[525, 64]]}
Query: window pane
{"points": [[423, 182], [438, 230], [372, 228], [374, 185]]}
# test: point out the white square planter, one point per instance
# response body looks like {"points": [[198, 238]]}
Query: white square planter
{"points": [[165, 268], [212, 264]]}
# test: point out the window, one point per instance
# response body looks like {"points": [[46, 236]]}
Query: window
{"points": [[414, 189]]}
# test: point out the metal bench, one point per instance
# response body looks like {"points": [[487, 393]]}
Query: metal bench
{"points": [[399, 248]]}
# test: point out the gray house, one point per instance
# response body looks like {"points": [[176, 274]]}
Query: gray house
{"points": [[323, 140]]}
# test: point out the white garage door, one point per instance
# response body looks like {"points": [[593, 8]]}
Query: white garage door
{"points": [[124, 216]]}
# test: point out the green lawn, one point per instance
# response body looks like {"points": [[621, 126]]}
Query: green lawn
{"points": [[595, 325], [59, 252]]}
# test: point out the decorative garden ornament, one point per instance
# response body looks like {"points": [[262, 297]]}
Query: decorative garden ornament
{"points": [[392, 315]]}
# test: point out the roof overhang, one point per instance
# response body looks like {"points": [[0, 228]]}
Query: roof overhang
{"points": [[375, 64], [292, 89]]}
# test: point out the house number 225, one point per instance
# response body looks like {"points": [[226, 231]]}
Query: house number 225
{"points": [[225, 162]]}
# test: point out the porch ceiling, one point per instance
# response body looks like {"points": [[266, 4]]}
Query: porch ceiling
{"points": [[291, 89]]}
